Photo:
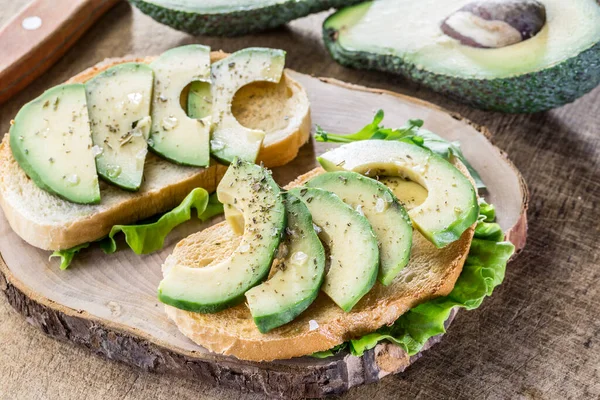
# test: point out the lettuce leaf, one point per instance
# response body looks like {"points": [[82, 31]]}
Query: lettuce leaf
{"points": [[412, 132], [66, 256], [483, 270], [150, 237]]}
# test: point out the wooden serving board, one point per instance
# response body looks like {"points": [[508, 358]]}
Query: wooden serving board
{"points": [[108, 304]]}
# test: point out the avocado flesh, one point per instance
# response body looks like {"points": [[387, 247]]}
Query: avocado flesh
{"points": [[409, 193], [298, 277], [352, 244], [51, 140], [118, 102], [451, 205], [390, 222], [231, 18], [555, 67], [199, 100], [229, 138], [222, 285], [174, 135]]}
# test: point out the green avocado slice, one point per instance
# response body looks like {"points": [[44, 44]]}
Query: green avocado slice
{"points": [[451, 205], [212, 288], [352, 244], [174, 135], [379, 205], [229, 138], [552, 68], [298, 277], [118, 102], [51, 140]]}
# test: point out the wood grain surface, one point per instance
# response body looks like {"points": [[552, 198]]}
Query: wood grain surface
{"points": [[536, 338]]}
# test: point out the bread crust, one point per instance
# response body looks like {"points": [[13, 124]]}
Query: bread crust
{"points": [[97, 222], [431, 273]]}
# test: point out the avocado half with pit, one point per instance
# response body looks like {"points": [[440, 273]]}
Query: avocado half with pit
{"points": [[233, 17], [512, 56]]}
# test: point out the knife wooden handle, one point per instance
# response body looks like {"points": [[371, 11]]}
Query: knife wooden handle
{"points": [[39, 35]]}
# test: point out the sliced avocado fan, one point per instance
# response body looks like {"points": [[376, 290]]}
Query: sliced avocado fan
{"points": [[233, 17], [512, 56]]}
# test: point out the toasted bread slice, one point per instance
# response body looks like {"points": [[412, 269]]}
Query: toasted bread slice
{"points": [[50, 223], [431, 272]]}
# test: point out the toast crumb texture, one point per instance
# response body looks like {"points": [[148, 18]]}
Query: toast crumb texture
{"points": [[51, 223]]}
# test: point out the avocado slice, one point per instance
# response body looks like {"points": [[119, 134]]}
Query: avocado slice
{"points": [[555, 66], [352, 245], [229, 138], [51, 140], [379, 205], [451, 205], [410, 194], [222, 285], [233, 17], [174, 135], [298, 277], [118, 102]]}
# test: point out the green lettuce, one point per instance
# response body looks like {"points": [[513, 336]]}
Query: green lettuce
{"points": [[412, 132], [150, 237], [483, 270], [66, 256]]}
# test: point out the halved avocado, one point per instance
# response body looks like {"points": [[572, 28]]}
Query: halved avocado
{"points": [[233, 17], [212, 288], [174, 135], [451, 205], [298, 277], [118, 101], [51, 140], [352, 244], [555, 66], [379, 205], [229, 138]]}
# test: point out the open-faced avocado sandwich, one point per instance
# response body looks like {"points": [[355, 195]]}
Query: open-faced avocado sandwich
{"points": [[382, 243], [132, 138]]}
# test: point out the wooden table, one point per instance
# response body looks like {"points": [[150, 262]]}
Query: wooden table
{"points": [[538, 337]]}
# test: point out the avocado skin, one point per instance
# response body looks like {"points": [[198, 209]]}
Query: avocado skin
{"points": [[536, 91], [204, 309], [237, 23]]}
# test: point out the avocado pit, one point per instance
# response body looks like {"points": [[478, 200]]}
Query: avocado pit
{"points": [[495, 23]]}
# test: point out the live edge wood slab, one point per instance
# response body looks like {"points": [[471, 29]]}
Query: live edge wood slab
{"points": [[107, 303], [535, 338]]}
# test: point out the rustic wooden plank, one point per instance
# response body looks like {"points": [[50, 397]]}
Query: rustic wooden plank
{"points": [[535, 338]]}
